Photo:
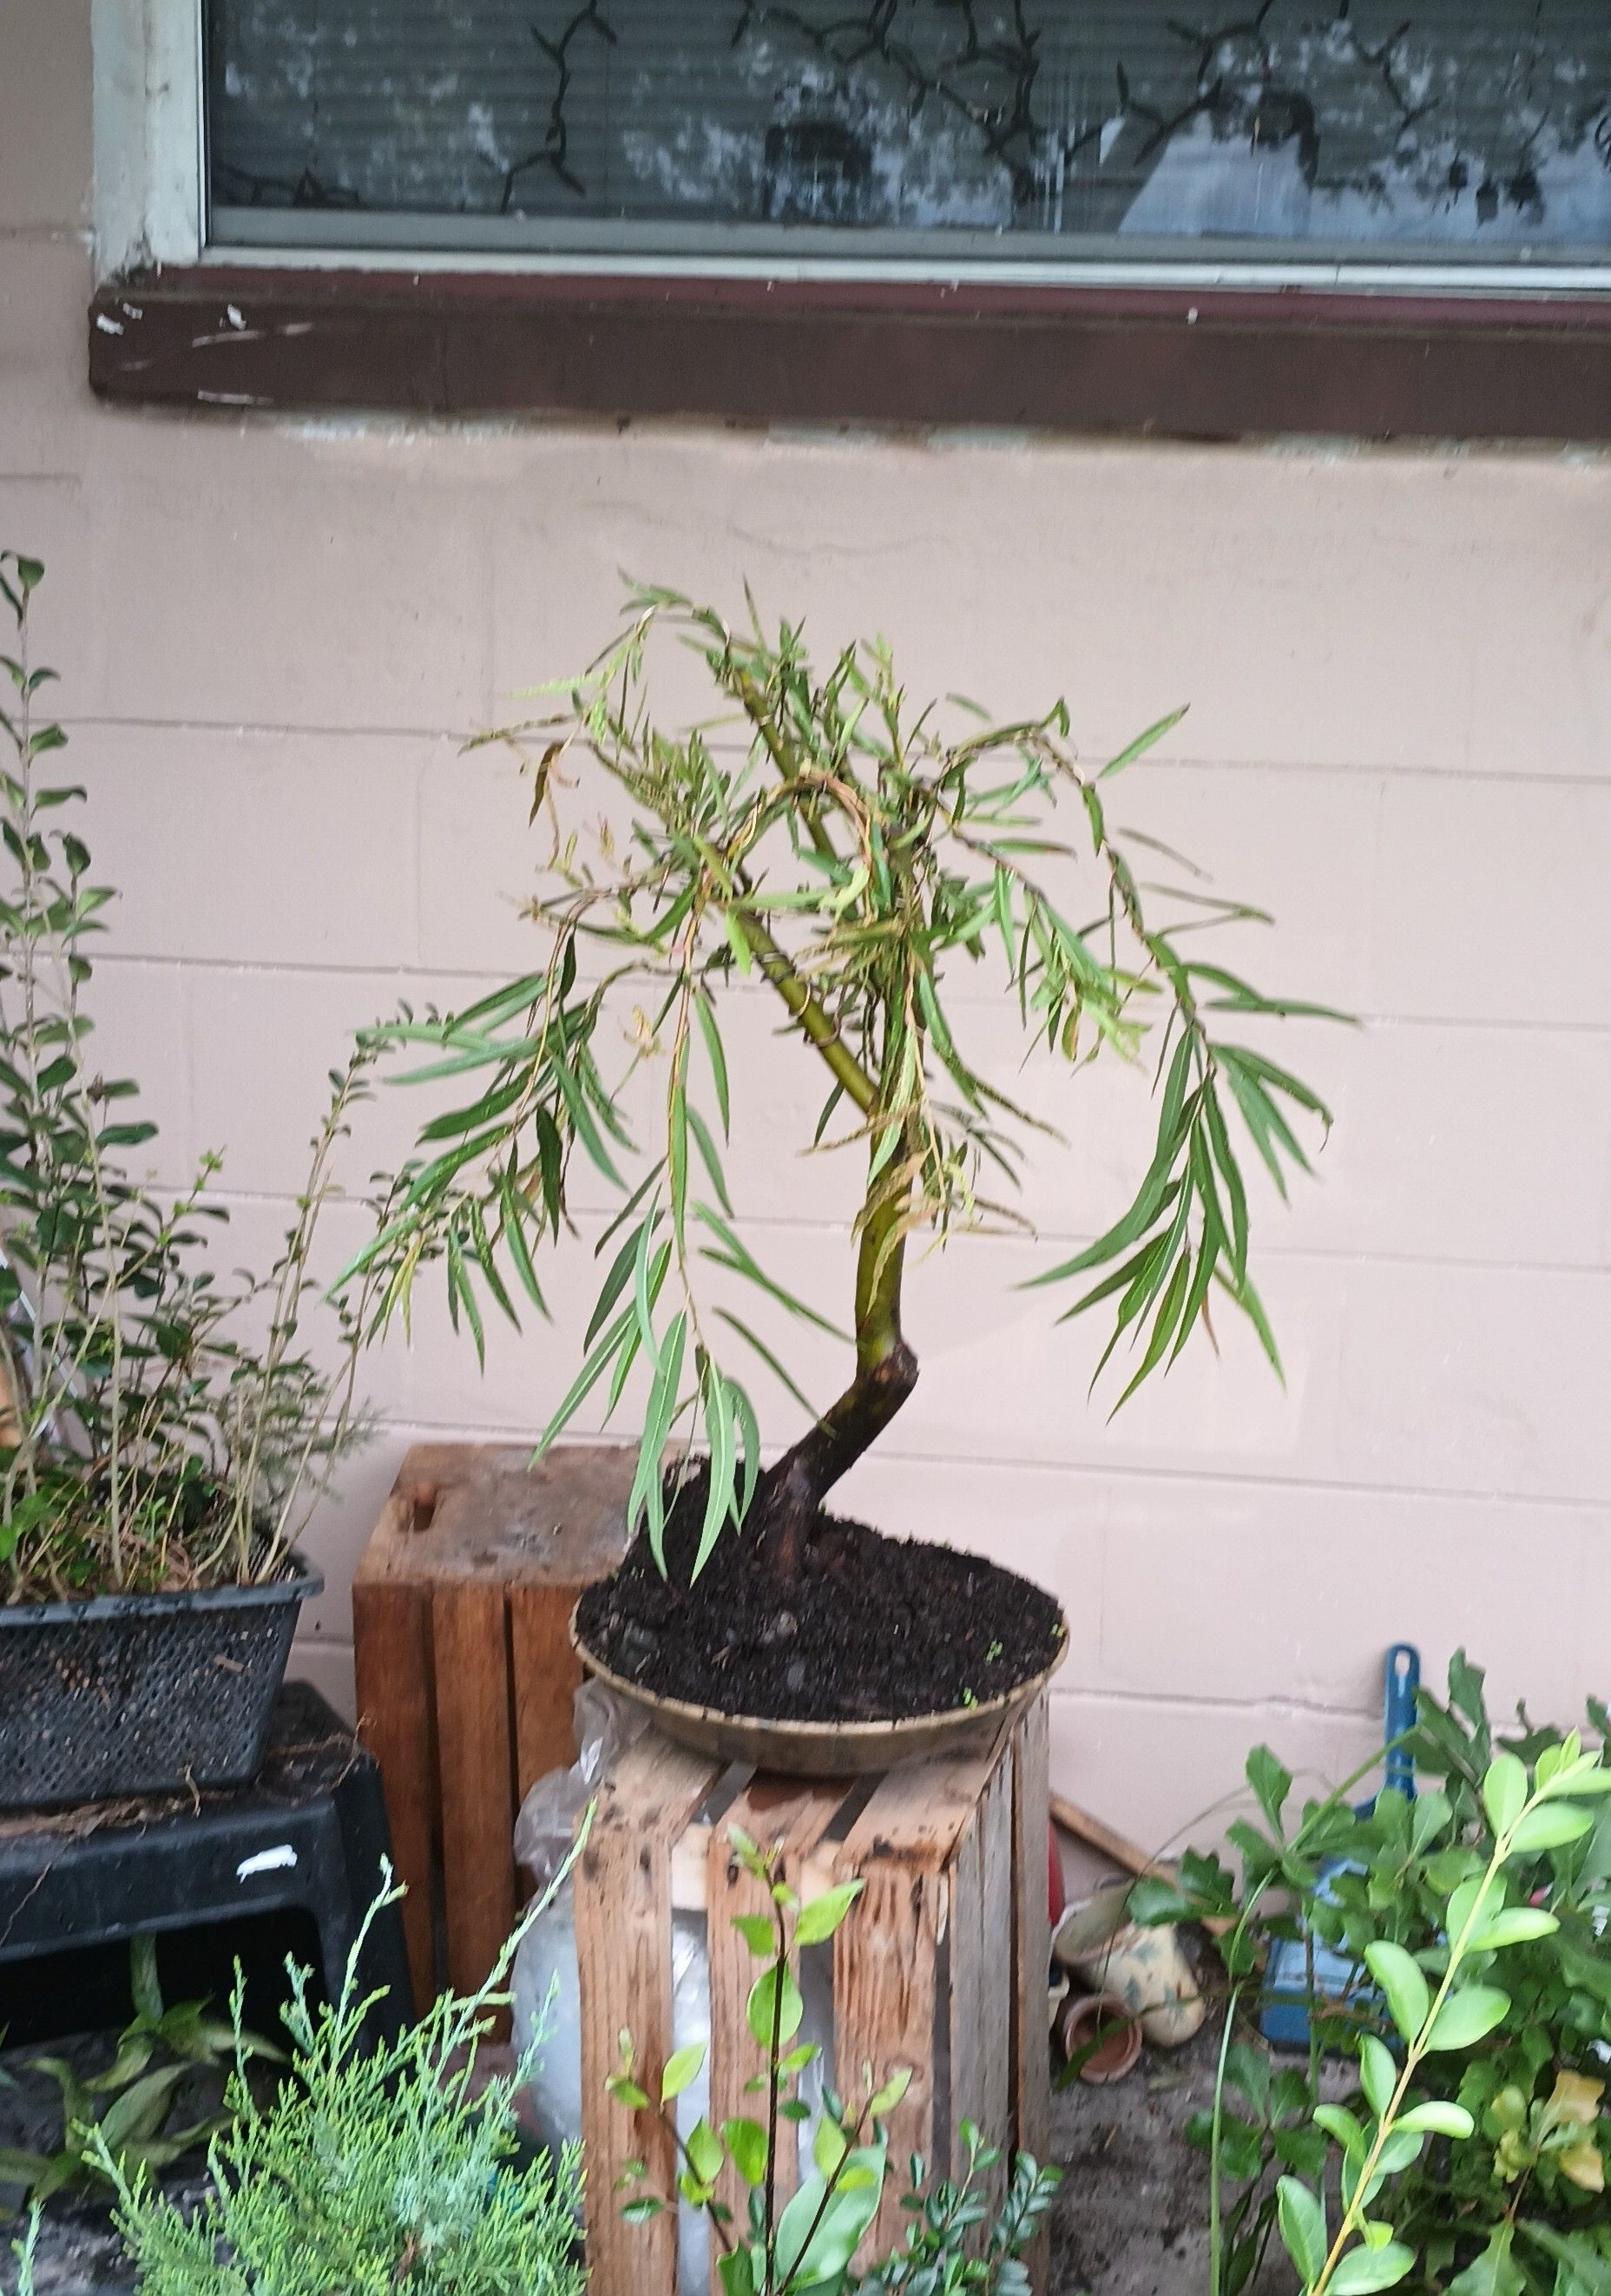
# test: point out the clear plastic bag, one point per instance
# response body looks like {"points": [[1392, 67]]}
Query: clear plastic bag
{"points": [[546, 1994], [546, 1989]]}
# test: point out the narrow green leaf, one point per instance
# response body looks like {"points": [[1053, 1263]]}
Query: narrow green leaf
{"points": [[1142, 743], [704, 1013], [709, 1156]]}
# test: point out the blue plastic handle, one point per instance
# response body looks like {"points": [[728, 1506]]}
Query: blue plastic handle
{"points": [[1402, 1676]]}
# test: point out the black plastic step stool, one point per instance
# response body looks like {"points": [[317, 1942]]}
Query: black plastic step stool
{"points": [[308, 1835]]}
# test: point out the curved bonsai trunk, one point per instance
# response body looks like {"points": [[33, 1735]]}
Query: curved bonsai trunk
{"points": [[789, 1494]]}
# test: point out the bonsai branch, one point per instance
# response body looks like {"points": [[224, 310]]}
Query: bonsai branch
{"points": [[816, 1025]]}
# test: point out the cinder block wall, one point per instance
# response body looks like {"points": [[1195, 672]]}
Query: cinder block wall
{"points": [[274, 632]]}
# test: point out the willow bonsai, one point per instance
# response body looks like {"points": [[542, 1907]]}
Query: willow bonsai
{"points": [[828, 840]]}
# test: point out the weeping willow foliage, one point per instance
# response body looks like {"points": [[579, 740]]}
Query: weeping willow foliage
{"points": [[863, 859]]}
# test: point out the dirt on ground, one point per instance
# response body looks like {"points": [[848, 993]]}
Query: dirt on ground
{"points": [[1131, 2217]]}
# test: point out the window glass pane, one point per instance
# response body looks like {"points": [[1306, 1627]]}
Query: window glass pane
{"points": [[1443, 129]]}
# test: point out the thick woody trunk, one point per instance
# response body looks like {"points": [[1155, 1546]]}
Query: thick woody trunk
{"points": [[791, 1494]]}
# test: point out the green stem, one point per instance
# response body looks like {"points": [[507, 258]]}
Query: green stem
{"points": [[1414, 2051], [813, 1022]]}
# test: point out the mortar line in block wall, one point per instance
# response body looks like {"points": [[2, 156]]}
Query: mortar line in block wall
{"points": [[1057, 1239], [1363, 770], [1086, 1470], [407, 1432], [484, 975]]}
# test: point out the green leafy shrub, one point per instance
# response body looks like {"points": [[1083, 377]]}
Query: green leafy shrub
{"points": [[373, 2169], [1471, 2153], [857, 859], [144, 1442], [808, 2242], [128, 2109]]}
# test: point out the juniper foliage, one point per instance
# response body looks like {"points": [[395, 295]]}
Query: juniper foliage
{"points": [[373, 2169]]}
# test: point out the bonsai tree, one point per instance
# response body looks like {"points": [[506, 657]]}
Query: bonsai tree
{"points": [[858, 857], [146, 1445]]}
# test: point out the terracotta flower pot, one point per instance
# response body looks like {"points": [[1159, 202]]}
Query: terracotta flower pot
{"points": [[1100, 2023]]}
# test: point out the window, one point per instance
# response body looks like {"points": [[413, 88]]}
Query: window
{"points": [[1379, 218], [924, 134]]}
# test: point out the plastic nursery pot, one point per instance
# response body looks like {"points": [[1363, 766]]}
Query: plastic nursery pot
{"points": [[1146, 1969], [1100, 2033], [125, 1695]]}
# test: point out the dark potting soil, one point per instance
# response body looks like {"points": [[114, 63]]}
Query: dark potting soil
{"points": [[871, 1629]]}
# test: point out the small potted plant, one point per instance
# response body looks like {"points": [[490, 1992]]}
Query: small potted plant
{"points": [[852, 858], [156, 1466]]}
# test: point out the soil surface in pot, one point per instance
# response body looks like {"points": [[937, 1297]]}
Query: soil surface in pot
{"points": [[872, 1629]]}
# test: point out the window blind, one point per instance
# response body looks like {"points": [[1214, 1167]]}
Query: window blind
{"points": [[1454, 129]]}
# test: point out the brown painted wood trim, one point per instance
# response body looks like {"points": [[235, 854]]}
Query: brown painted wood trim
{"points": [[1219, 364]]}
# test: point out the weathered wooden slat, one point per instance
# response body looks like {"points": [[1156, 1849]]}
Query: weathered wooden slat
{"points": [[1030, 2056], [475, 1766], [928, 1974], [903, 1847], [790, 1817], [623, 1912], [477, 1515], [544, 1676], [391, 1651], [995, 1986]]}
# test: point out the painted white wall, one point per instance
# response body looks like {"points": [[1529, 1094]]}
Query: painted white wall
{"points": [[274, 632]]}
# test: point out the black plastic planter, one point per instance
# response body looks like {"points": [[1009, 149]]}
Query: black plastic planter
{"points": [[141, 1693]]}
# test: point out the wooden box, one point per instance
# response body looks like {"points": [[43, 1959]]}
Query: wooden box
{"points": [[940, 1967], [465, 1671]]}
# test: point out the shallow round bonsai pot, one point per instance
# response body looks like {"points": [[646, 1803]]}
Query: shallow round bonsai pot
{"points": [[818, 1750], [120, 1695]]}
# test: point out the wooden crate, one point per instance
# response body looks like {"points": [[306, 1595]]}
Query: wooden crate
{"points": [[465, 1671], [940, 1967]]}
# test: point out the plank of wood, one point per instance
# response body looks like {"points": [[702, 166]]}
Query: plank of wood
{"points": [[391, 1659], [489, 1510], [983, 1958], [1097, 1834], [1031, 2048], [544, 1676], [475, 1762], [623, 1912], [884, 1978], [789, 1816]]}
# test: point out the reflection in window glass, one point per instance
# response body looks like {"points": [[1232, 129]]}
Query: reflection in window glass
{"points": [[1443, 128]]}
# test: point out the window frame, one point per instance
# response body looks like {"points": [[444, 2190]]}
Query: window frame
{"points": [[1212, 347]]}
